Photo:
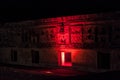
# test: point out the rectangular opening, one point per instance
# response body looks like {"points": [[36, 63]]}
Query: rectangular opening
{"points": [[65, 59], [103, 60], [35, 56], [13, 55]]}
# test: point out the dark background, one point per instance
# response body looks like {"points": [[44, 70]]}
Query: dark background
{"points": [[17, 10]]}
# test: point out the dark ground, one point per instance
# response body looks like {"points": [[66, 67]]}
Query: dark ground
{"points": [[32, 73]]}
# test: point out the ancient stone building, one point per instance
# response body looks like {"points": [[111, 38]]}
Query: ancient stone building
{"points": [[88, 42]]}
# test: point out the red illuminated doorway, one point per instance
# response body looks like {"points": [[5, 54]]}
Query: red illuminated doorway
{"points": [[65, 59]]}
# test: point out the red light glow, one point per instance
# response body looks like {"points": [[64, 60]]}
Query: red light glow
{"points": [[63, 58], [65, 33]]}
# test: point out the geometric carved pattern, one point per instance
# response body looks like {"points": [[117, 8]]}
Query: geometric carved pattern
{"points": [[76, 38]]}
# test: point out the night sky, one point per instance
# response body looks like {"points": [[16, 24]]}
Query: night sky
{"points": [[17, 10]]}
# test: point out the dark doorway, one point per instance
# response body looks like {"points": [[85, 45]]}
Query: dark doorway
{"points": [[13, 55], [35, 56], [103, 60], [65, 59]]}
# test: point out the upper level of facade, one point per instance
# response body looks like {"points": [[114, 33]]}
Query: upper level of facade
{"points": [[78, 31]]}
